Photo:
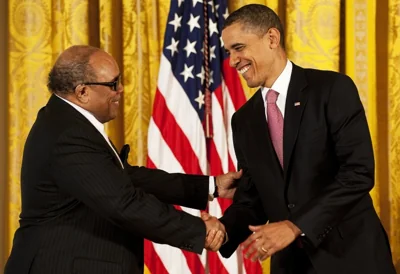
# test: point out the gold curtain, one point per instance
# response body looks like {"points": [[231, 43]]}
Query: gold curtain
{"points": [[356, 37]]}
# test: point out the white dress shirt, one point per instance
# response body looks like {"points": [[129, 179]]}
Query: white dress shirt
{"points": [[281, 86], [100, 127]]}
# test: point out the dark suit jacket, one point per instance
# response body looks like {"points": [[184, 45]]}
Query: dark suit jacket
{"points": [[83, 213], [324, 186]]}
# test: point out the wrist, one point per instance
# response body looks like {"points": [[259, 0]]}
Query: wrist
{"points": [[297, 232]]}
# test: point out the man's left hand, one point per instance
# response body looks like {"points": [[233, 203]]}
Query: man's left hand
{"points": [[226, 184], [269, 238]]}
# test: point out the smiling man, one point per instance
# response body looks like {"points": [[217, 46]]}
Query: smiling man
{"points": [[303, 143], [84, 208]]}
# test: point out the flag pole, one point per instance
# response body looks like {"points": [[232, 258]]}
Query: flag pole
{"points": [[207, 92]]}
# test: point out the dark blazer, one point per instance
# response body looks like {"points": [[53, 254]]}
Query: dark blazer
{"points": [[83, 213], [324, 185]]}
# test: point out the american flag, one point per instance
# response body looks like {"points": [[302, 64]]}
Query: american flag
{"points": [[189, 130]]}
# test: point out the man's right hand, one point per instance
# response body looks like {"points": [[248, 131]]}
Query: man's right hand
{"points": [[215, 232]]}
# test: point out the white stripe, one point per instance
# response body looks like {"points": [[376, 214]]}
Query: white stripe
{"points": [[172, 258], [229, 111], [219, 132], [159, 151], [185, 115]]}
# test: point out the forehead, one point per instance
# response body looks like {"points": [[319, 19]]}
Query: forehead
{"points": [[237, 33], [104, 65]]}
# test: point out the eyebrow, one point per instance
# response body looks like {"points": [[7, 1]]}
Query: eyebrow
{"points": [[236, 45]]}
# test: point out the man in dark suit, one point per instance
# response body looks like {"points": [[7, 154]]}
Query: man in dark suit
{"points": [[84, 208], [303, 143]]}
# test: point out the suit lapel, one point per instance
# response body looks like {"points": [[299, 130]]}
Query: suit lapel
{"points": [[295, 103], [262, 137]]}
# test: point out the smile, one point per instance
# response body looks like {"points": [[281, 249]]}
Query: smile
{"points": [[244, 69]]}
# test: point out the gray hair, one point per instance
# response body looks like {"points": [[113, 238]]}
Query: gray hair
{"points": [[71, 69]]}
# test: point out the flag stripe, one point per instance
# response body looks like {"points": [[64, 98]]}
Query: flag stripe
{"points": [[216, 265], [152, 260], [181, 108], [159, 153], [219, 137], [176, 139]]}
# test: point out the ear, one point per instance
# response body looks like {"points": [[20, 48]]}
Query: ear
{"points": [[274, 37], [82, 93]]}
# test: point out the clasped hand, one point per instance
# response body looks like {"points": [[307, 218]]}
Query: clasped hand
{"points": [[215, 232]]}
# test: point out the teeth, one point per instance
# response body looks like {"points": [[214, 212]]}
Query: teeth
{"points": [[243, 70]]}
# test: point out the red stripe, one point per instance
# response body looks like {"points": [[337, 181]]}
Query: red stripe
{"points": [[194, 262], [213, 158], [150, 163], [174, 136], [234, 85], [231, 165], [218, 95], [251, 267], [152, 260], [215, 265]]}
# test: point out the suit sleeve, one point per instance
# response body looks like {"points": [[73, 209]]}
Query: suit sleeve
{"points": [[246, 208], [83, 167], [179, 189], [353, 148]]}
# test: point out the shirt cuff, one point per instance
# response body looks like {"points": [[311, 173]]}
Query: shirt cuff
{"points": [[211, 188]]}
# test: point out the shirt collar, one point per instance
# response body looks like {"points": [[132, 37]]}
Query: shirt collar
{"points": [[281, 84], [96, 123]]}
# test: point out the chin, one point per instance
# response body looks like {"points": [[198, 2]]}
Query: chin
{"points": [[113, 116], [252, 85]]}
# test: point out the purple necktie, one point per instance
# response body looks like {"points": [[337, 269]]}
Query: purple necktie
{"points": [[275, 124]]}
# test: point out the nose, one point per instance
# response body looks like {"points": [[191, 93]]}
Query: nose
{"points": [[120, 88], [233, 60]]}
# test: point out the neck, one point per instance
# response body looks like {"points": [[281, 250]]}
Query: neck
{"points": [[277, 67]]}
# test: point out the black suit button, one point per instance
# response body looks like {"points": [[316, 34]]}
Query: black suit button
{"points": [[291, 206]]}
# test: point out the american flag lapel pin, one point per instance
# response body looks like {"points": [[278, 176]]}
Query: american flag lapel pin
{"points": [[296, 104]]}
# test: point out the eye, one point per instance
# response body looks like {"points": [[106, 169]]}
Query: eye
{"points": [[239, 48]]}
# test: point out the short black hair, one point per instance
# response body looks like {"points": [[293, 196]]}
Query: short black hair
{"points": [[258, 18], [71, 69]]}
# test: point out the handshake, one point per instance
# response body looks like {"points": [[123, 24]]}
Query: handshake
{"points": [[216, 234]]}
